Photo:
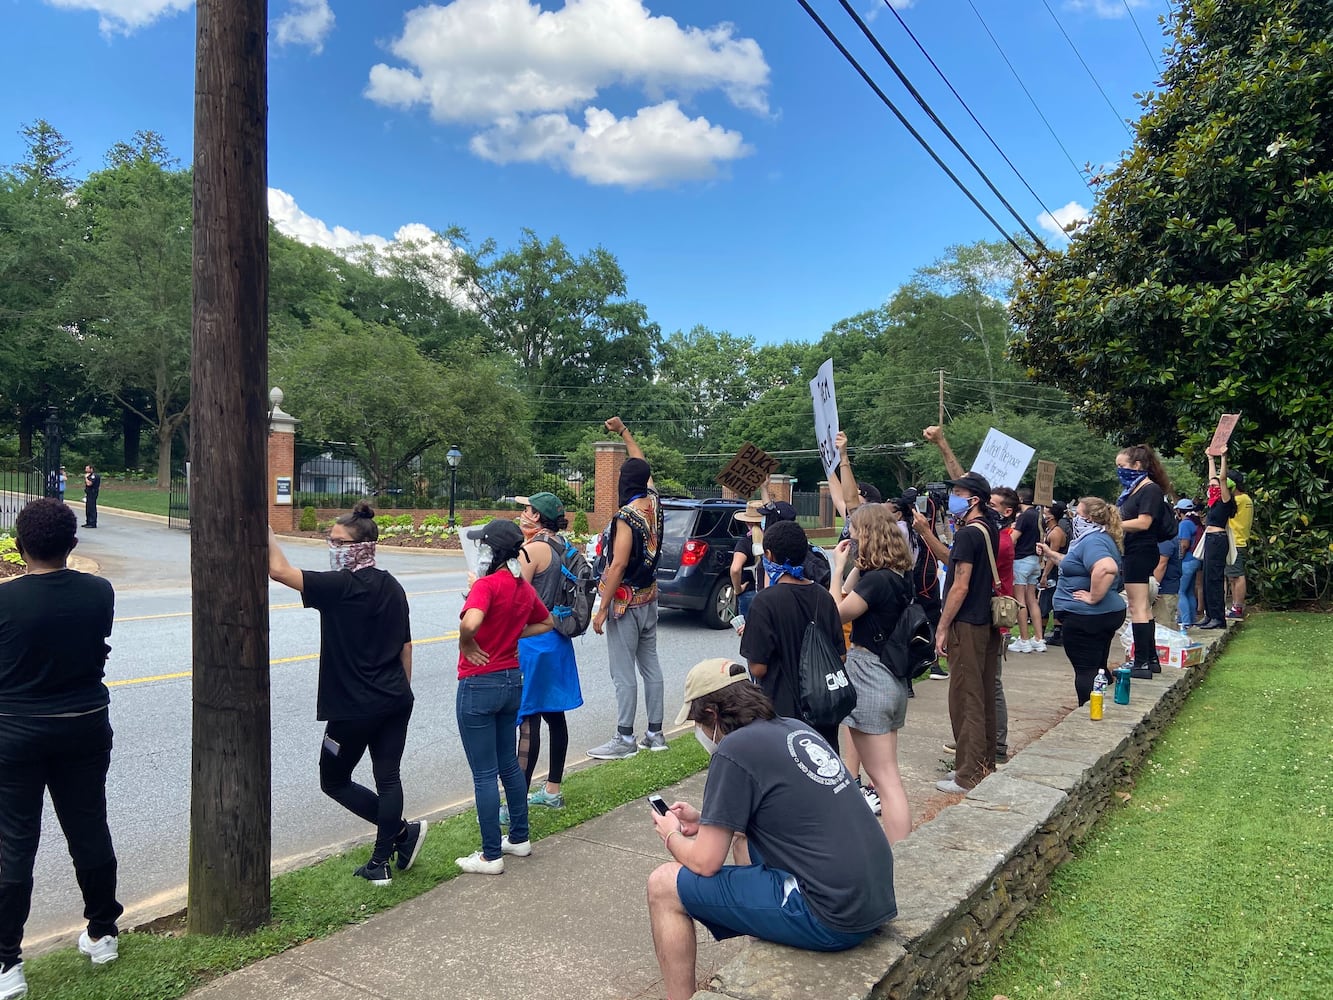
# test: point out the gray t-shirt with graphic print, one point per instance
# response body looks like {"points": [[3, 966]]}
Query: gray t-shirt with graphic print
{"points": [[781, 785]]}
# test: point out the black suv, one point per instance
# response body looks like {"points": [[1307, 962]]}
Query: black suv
{"points": [[693, 574]]}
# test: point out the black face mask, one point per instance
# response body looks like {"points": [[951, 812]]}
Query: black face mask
{"points": [[634, 476]]}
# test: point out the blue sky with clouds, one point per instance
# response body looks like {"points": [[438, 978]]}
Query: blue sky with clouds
{"points": [[723, 150]]}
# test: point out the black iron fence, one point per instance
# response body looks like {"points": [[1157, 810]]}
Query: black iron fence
{"points": [[20, 482], [178, 503]]}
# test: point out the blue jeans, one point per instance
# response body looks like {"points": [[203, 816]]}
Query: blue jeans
{"points": [[1189, 569], [487, 707]]}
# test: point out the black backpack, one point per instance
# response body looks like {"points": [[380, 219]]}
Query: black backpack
{"points": [[1165, 524], [909, 650], [577, 587], [826, 693]]}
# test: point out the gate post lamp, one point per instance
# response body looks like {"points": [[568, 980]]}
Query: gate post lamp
{"points": [[454, 456]]}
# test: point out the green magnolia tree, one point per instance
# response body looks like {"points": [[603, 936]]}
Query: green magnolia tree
{"points": [[1203, 283]]}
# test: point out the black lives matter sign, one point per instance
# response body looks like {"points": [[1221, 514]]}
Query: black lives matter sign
{"points": [[744, 473]]}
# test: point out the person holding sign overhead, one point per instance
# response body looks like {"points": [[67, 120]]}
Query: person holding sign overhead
{"points": [[1142, 506]]}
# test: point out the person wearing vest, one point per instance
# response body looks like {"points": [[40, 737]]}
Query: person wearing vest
{"points": [[628, 611]]}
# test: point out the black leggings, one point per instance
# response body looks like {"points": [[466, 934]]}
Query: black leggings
{"points": [[1087, 643], [530, 745], [345, 742]]}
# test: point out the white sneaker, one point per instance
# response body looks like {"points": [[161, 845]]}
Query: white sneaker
{"points": [[872, 798], [1038, 646], [102, 950], [475, 864], [522, 850], [13, 984], [1020, 646], [952, 787]]}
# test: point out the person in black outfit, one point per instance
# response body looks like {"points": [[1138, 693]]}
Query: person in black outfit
{"points": [[1141, 508], [55, 732], [1221, 509], [365, 683], [92, 485]]}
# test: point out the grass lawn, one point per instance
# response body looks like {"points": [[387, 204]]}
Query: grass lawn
{"points": [[146, 501], [1216, 878], [316, 901]]}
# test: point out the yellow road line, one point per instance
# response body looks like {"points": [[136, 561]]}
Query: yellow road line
{"points": [[181, 675], [271, 607]]}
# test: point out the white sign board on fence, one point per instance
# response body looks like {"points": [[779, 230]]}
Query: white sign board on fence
{"points": [[1003, 460], [826, 417]]}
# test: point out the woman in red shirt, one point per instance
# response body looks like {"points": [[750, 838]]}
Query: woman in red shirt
{"points": [[500, 608]]}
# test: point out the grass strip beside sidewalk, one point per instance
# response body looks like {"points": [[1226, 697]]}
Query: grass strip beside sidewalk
{"points": [[1215, 878], [144, 501], [315, 902]]}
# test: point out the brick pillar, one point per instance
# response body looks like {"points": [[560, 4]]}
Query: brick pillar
{"points": [[281, 465], [729, 494], [610, 456], [779, 487], [825, 505]]}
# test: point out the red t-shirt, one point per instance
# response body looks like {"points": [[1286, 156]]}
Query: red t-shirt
{"points": [[510, 605]]}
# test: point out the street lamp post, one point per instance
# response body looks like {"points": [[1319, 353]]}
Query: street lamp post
{"points": [[454, 456], [51, 457]]}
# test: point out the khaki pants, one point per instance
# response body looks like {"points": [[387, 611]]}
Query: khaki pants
{"points": [[974, 661], [1164, 609]]}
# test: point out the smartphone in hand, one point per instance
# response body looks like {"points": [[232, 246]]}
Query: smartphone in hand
{"points": [[658, 803]]}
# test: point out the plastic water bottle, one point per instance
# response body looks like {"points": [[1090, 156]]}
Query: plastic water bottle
{"points": [[1122, 674], [1098, 695]]}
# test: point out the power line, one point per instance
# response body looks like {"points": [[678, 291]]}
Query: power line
{"points": [[930, 112], [914, 133], [1032, 100], [1146, 48], [1095, 82], [894, 11]]}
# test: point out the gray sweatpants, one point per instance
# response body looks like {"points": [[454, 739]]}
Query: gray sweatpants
{"points": [[631, 639]]}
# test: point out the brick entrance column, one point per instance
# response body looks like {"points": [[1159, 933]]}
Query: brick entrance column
{"points": [[825, 505], [610, 456], [281, 465], [779, 488]]}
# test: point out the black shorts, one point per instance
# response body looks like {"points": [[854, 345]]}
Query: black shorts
{"points": [[1139, 564]]}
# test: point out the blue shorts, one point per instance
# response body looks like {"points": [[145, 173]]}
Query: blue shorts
{"points": [[761, 901], [1027, 571]]}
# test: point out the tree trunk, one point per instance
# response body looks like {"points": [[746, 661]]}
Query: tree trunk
{"points": [[230, 791], [165, 432], [131, 425], [25, 436]]}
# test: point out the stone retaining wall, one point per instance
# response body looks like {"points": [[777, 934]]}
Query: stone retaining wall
{"points": [[966, 878]]}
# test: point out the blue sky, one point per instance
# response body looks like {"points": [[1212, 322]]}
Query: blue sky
{"points": [[744, 176]]}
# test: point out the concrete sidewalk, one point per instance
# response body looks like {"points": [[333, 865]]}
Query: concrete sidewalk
{"points": [[571, 921]]}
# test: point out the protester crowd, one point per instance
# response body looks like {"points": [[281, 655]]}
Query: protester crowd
{"points": [[959, 574]]}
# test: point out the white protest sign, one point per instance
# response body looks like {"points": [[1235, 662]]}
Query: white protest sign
{"points": [[1002, 460], [471, 539], [826, 417]]}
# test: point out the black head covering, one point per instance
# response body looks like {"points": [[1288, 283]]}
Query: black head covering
{"points": [[505, 539], [634, 476]]}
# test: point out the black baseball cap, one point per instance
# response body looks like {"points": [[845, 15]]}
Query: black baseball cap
{"points": [[778, 510], [974, 482]]}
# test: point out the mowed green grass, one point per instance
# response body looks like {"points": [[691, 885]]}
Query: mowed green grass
{"points": [[149, 501], [1216, 878], [317, 901]]}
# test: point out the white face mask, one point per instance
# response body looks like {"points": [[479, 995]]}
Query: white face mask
{"points": [[709, 743]]}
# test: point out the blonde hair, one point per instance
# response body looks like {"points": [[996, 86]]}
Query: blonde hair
{"points": [[880, 543], [1108, 516]]}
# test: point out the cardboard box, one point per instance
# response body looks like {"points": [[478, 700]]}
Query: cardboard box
{"points": [[1190, 656]]}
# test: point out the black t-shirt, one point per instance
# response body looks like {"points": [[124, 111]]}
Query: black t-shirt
{"points": [[53, 630], [1147, 499], [1029, 526], [781, 785], [1219, 514], [885, 593], [92, 483], [774, 630], [745, 546], [816, 567], [363, 626], [969, 546]]}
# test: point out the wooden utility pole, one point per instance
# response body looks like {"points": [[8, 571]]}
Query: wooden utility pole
{"points": [[940, 422], [230, 792]]}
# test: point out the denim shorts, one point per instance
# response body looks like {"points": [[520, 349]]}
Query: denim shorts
{"points": [[1027, 571], [1236, 569], [761, 901]]}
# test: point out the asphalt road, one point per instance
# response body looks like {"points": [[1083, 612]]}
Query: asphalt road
{"points": [[148, 673]]}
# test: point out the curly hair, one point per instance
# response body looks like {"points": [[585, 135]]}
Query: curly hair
{"points": [[45, 530], [1107, 515], [787, 543], [1142, 454], [360, 523], [736, 705], [879, 542]]}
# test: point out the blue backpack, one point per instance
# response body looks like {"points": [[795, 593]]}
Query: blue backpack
{"points": [[577, 586]]}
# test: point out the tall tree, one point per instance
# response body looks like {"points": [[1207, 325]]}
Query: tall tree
{"points": [[1203, 283]]}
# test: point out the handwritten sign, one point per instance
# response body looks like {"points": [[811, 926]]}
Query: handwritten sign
{"points": [[1223, 433], [751, 466], [1002, 460], [826, 417], [470, 538], [282, 494], [1044, 493]]}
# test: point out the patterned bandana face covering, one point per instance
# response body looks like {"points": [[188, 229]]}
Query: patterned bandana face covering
{"points": [[775, 570], [354, 556], [1083, 526]]}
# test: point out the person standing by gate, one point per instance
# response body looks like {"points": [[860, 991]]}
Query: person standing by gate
{"points": [[92, 485]]}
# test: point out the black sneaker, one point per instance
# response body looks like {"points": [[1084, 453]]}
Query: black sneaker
{"points": [[1055, 639], [375, 872], [938, 673], [1141, 672], [409, 845]]}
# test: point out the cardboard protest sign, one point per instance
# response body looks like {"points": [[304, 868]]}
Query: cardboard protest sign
{"points": [[1223, 433], [1002, 459], [1043, 494], [744, 473], [826, 417]]}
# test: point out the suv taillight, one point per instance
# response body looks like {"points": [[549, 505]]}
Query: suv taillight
{"points": [[694, 551]]}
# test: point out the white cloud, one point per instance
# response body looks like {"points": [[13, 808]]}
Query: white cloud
{"points": [[520, 74], [308, 22], [1112, 9], [659, 145], [871, 13], [1055, 223], [124, 16]]}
